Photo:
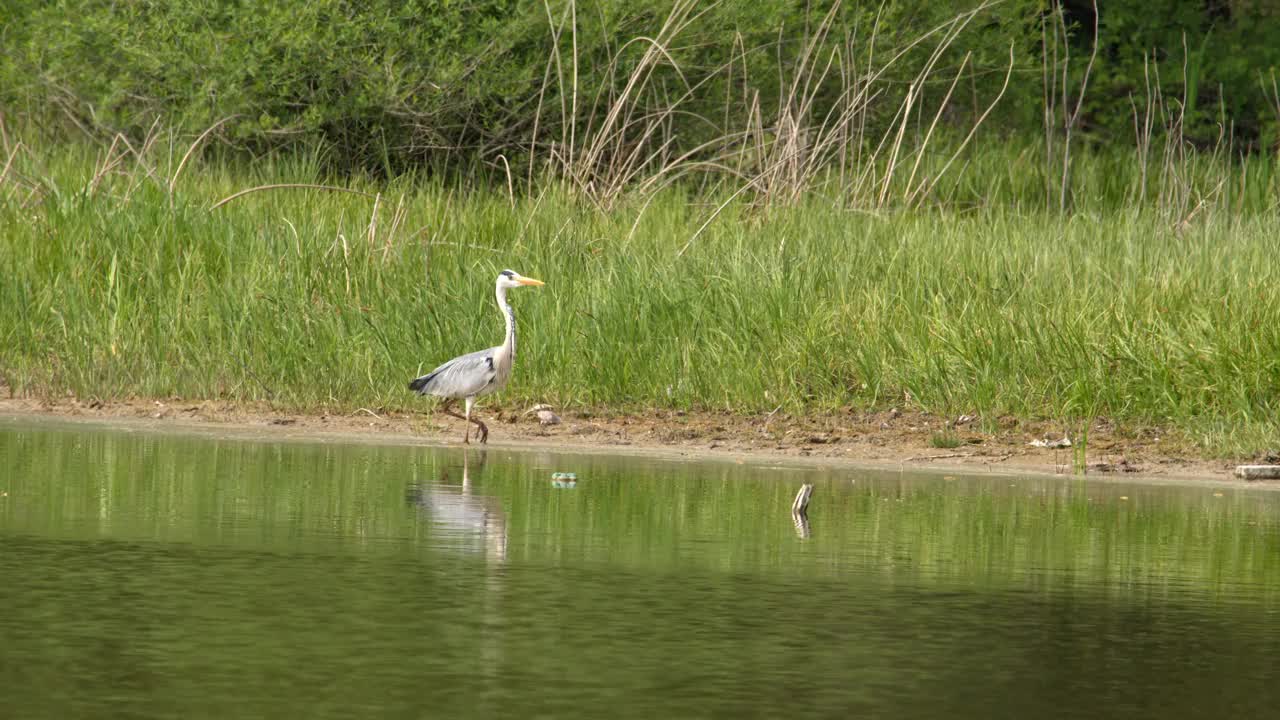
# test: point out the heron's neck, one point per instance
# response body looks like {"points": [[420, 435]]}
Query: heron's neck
{"points": [[509, 342]]}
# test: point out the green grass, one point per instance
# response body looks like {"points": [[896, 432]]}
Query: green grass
{"points": [[945, 439], [289, 297]]}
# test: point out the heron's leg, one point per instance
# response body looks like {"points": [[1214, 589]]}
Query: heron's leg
{"points": [[444, 407], [466, 433], [484, 431]]}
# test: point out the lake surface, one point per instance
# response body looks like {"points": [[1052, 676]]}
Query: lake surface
{"points": [[162, 575]]}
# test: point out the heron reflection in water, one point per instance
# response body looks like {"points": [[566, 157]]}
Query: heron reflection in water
{"points": [[468, 522], [464, 522]]}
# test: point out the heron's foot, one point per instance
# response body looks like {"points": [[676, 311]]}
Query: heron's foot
{"points": [[484, 434]]}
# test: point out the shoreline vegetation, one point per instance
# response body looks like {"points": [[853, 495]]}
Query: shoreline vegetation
{"points": [[860, 227], [315, 301]]}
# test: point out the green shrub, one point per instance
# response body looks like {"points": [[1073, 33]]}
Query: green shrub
{"points": [[1222, 56], [393, 85], [389, 84]]}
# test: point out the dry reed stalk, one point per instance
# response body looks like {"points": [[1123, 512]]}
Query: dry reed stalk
{"points": [[397, 219], [1143, 122], [866, 93], [371, 234], [1176, 175], [791, 155], [1274, 98], [191, 151], [110, 160], [511, 189], [627, 140], [968, 138], [908, 195], [599, 168], [13, 154], [297, 239], [1049, 90], [897, 144], [1056, 91], [922, 78], [17, 179], [277, 186], [556, 32], [573, 112], [627, 134], [140, 156], [794, 153], [1070, 119]]}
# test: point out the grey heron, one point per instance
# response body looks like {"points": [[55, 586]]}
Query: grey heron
{"points": [[480, 373]]}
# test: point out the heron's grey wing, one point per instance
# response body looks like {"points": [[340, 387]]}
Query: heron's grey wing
{"points": [[461, 377]]}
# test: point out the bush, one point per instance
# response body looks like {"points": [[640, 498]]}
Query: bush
{"points": [[1222, 56], [389, 84]]}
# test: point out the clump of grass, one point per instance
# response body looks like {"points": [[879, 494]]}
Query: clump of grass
{"points": [[1080, 449], [945, 439]]}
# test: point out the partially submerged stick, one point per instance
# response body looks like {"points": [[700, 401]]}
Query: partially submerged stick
{"points": [[801, 503], [799, 510]]}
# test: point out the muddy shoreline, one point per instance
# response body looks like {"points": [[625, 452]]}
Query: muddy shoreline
{"points": [[894, 439]]}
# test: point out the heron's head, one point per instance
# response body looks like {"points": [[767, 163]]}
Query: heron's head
{"points": [[512, 279]]}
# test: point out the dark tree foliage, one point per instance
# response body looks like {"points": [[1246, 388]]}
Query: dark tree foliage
{"points": [[1222, 56], [389, 85]]}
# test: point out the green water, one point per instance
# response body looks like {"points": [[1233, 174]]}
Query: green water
{"points": [[149, 575]]}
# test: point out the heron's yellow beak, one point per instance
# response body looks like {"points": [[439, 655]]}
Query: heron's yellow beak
{"points": [[529, 281]]}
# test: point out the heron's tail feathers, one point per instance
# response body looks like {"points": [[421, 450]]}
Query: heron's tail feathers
{"points": [[419, 385]]}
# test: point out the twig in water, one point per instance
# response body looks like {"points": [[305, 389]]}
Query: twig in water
{"points": [[938, 457], [800, 510], [801, 503]]}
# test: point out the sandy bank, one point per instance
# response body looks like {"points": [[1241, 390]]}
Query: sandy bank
{"points": [[896, 440]]}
